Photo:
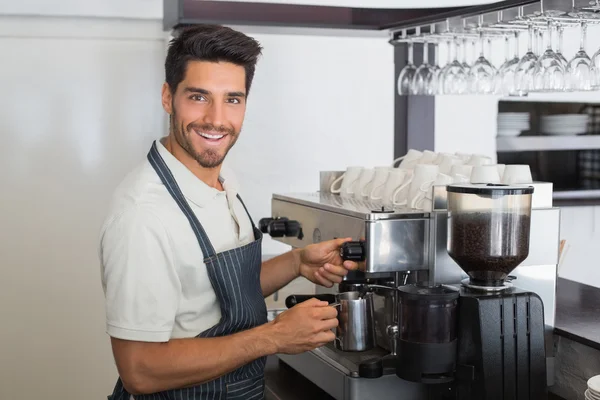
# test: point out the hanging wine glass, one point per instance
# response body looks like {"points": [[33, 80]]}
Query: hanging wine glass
{"points": [[406, 75], [551, 73], [466, 60], [482, 72], [453, 75], [424, 79], [560, 30], [580, 67], [436, 67], [527, 68], [505, 77], [596, 69]]}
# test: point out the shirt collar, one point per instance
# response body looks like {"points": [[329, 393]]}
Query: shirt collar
{"points": [[194, 189]]}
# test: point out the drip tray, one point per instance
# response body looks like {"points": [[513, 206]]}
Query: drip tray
{"points": [[348, 361]]}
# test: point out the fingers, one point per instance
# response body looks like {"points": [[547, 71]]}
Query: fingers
{"points": [[322, 280], [350, 265], [313, 302], [323, 313], [330, 276], [340, 242], [328, 324], [335, 270], [324, 337]]}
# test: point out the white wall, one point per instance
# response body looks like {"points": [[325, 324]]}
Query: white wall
{"points": [[75, 114], [80, 105]]}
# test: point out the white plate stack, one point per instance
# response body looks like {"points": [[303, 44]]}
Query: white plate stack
{"points": [[593, 391], [564, 124], [512, 123]]}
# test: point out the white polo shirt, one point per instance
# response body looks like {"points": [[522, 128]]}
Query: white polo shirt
{"points": [[155, 281]]}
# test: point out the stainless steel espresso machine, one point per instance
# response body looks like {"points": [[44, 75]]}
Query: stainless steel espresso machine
{"points": [[462, 297]]}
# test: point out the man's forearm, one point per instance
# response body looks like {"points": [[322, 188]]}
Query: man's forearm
{"points": [[279, 271], [147, 368]]}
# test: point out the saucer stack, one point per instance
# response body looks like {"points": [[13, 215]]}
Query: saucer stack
{"points": [[593, 391], [512, 124], [564, 124]]}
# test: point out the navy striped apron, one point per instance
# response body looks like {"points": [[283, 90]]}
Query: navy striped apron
{"points": [[235, 278]]}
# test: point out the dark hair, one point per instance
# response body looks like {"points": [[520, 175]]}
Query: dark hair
{"points": [[212, 43]]}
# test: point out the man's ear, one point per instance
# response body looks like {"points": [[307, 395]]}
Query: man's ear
{"points": [[167, 98]]}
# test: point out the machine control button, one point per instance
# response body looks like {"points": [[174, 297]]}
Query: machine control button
{"points": [[281, 227], [353, 251]]}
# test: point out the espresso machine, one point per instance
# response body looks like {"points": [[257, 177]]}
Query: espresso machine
{"points": [[462, 297]]}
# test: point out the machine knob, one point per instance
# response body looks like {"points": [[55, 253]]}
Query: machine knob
{"points": [[263, 224], [353, 251], [280, 227]]}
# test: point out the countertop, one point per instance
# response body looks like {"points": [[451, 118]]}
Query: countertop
{"points": [[578, 312]]}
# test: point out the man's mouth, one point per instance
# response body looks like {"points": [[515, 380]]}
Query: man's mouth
{"points": [[213, 138]]}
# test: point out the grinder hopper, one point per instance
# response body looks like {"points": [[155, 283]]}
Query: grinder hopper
{"points": [[488, 230]]}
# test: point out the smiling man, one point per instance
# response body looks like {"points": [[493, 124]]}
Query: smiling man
{"points": [[181, 257]]}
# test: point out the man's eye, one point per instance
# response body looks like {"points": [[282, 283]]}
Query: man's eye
{"points": [[234, 101], [197, 97]]}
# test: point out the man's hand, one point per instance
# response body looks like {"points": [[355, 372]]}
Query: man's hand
{"points": [[321, 263], [304, 327]]}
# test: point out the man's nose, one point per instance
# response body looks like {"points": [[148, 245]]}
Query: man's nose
{"points": [[214, 114]]}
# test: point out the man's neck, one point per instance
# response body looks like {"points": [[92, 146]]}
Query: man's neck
{"points": [[210, 176]]}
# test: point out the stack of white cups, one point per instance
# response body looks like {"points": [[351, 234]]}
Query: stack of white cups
{"points": [[593, 390], [410, 184]]}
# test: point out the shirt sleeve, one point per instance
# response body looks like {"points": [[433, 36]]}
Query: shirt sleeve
{"points": [[142, 288]]}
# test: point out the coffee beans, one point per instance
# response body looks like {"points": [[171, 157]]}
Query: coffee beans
{"points": [[488, 246]]}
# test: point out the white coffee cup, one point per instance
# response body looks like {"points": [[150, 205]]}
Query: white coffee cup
{"points": [[347, 180], [462, 170], [447, 161], [400, 195], [362, 183], [424, 174], [477, 159], [395, 179], [465, 157], [461, 173], [409, 160], [516, 174], [485, 174], [501, 168], [440, 157], [424, 199], [375, 187], [428, 157]]}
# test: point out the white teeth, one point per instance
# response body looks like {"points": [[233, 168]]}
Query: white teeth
{"points": [[211, 136]]}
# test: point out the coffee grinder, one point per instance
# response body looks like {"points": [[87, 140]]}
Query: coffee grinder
{"points": [[484, 338]]}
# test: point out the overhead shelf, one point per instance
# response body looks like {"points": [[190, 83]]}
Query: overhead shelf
{"points": [[547, 143]]}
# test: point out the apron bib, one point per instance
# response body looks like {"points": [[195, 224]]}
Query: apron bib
{"points": [[235, 278]]}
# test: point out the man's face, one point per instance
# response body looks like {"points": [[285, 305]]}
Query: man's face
{"points": [[207, 110]]}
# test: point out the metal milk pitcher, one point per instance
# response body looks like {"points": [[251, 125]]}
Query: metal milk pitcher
{"points": [[356, 328]]}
